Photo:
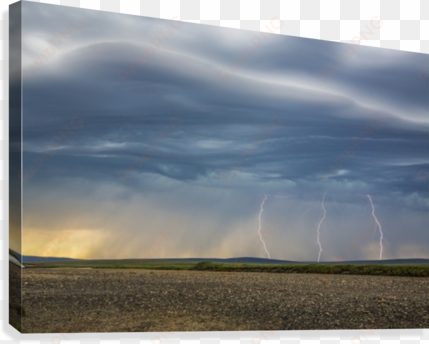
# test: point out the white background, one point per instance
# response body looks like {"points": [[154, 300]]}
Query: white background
{"points": [[405, 27]]}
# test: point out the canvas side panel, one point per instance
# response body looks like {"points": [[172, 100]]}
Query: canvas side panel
{"points": [[15, 145]]}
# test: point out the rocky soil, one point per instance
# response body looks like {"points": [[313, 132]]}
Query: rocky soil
{"points": [[89, 300]]}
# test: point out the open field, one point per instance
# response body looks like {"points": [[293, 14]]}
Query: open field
{"points": [[107, 300], [416, 270]]}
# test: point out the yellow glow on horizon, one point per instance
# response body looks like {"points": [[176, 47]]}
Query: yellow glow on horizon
{"points": [[70, 243]]}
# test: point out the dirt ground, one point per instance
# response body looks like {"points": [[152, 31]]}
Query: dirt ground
{"points": [[107, 300]]}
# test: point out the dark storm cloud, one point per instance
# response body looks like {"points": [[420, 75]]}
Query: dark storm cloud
{"points": [[276, 107]]}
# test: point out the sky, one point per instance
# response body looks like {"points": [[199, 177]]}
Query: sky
{"points": [[170, 154]]}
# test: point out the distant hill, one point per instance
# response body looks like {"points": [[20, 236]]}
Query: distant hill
{"points": [[34, 259], [251, 260], [256, 260], [17, 256]]}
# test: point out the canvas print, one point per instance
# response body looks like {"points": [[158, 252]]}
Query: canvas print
{"points": [[171, 176]]}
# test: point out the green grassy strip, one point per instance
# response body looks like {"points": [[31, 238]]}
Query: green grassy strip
{"points": [[113, 266], [386, 270], [110, 263], [147, 267]]}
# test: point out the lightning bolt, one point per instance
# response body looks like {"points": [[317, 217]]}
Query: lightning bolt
{"points": [[379, 226], [318, 227], [260, 225], [260, 220]]}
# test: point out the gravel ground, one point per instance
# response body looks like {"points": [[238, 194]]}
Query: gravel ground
{"points": [[89, 300]]}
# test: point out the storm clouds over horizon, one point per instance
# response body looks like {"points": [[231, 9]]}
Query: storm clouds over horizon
{"points": [[273, 128]]}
